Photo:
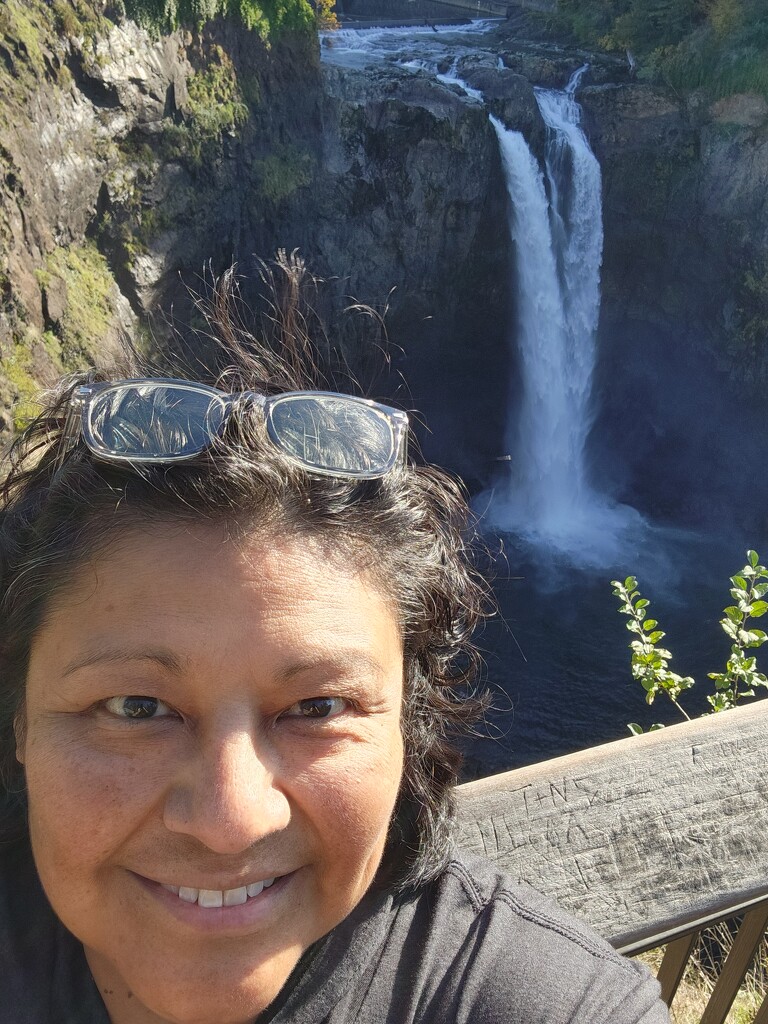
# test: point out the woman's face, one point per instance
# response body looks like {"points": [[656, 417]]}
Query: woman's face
{"points": [[204, 717]]}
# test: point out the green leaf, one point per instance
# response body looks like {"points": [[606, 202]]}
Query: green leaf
{"points": [[748, 639], [719, 702], [630, 582], [653, 638], [649, 624], [733, 614], [635, 729], [730, 628], [642, 603], [739, 582], [759, 608], [753, 557], [656, 726]]}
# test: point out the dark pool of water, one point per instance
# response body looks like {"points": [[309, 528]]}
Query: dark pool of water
{"points": [[557, 657]]}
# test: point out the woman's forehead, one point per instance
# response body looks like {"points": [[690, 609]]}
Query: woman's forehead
{"points": [[187, 591]]}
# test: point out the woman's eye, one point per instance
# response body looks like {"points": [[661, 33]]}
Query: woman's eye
{"points": [[317, 707], [137, 707]]}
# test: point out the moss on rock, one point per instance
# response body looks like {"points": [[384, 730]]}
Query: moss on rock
{"points": [[17, 368], [88, 314], [281, 173]]}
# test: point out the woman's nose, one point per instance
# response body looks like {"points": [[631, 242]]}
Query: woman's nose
{"points": [[226, 795]]}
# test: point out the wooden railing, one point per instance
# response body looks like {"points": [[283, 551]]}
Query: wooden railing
{"points": [[650, 839]]}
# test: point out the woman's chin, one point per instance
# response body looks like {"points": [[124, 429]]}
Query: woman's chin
{"points": [[221, 992]]}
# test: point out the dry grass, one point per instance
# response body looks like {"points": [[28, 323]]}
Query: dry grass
{"points": [[700, 977]]}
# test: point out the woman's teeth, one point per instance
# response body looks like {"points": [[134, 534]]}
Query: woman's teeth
{"points": [[210, 898]]}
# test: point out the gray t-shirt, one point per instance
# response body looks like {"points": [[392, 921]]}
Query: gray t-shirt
{"points": [[471, 948]]}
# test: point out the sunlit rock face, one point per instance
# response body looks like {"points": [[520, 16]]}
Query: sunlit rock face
{"points": [[162, 157]]}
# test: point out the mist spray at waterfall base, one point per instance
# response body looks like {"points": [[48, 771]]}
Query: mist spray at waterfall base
{"points": [[596, 535]]}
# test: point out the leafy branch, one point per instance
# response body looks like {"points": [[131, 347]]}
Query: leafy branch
{"points": [[650, 662], [741, 676]]}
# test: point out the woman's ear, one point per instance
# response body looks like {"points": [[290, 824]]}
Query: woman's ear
{"points": [[20, 732]]}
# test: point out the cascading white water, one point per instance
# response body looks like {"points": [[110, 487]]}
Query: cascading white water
{"points": [[540, 437], [558, 243], [576, 219]]}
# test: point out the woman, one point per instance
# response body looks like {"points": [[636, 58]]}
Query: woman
{"points": [[231, 623]]}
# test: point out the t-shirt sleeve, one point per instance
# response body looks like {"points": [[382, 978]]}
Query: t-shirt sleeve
{"points": [[526, 962], [569, 989]]}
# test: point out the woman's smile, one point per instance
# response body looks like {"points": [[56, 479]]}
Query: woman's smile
{"points": [[236, 910]]}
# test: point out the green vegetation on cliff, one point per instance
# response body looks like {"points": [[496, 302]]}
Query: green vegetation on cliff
{"points": [[216, 107], [267, 17], [281, 173], [86, 285], [720, 46]]}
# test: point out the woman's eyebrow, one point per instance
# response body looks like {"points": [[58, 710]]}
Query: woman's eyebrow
{"points": [[113, 653], [341, 663]]}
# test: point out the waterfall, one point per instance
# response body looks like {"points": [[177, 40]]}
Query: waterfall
{"points": [[543, 494], [557, 234], [541, 436]]}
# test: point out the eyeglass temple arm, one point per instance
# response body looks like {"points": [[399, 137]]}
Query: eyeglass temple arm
{"points": [[72, 424]]}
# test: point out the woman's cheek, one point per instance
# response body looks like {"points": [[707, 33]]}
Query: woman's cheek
{"points": [[84, 795], [357, 789]]}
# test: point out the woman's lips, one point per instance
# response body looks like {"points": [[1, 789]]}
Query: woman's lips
{"points": [[213, 898], [221, 909]]}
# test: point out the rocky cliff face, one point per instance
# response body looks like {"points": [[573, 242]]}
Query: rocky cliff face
{"points": [[685, 301], [127, 160], [410, 197], [132, 162]]}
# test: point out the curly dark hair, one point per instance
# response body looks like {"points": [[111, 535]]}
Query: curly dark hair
{"points": [[410, 526]]}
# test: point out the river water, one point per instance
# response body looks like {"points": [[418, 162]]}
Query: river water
{"points": [[556, 654]]}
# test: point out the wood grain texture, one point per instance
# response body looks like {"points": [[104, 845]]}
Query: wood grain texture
{"points": [[638, 836], [676, 957], [738, 962]]}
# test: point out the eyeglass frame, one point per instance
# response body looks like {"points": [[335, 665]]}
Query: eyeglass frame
{"points": [[77, 426]]}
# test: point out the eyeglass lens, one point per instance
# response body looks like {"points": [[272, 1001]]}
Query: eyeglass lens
{"points": [[333, 433], [151, 420]]}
